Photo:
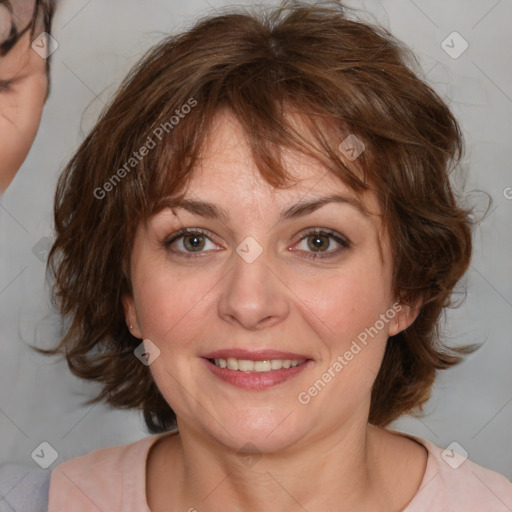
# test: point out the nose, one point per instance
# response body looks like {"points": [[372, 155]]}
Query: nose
{"points": [[253, 296]]}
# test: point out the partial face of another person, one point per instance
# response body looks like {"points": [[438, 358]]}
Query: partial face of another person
{"points": [[320, 280], [23, 91]]}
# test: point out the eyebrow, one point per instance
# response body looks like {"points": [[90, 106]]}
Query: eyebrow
{"points": [[212, 211]]}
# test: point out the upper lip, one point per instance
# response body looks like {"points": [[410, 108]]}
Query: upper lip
{"points": [[254, 355]]}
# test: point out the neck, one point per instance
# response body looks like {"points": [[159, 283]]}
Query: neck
{"points": [[338, 470]]}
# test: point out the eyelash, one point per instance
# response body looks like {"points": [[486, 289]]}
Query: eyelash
{"points": [[342, 241]]}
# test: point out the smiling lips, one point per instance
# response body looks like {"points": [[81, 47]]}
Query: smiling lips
{"points": [[255, 369]]}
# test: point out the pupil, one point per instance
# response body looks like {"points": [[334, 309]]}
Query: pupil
{"points": [[317, 241], [194, 241]]}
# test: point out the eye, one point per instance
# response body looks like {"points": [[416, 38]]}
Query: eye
{"points": [[319, 241], [193, 243], [188, 241]]}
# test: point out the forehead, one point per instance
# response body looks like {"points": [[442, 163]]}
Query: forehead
{"points": [[226, 172]]}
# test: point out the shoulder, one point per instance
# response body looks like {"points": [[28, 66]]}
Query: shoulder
{"points": [[464, 481], [98, 480], [454, 483]]}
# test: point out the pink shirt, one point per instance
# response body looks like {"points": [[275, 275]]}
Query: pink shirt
{"points": [[114, 480]]}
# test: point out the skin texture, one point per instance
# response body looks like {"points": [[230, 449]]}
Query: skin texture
{"points": [[322, 455], [21, 104]]}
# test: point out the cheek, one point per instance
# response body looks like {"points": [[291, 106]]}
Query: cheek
{"points": [[348, 301], [170, 306], [347, 320]]}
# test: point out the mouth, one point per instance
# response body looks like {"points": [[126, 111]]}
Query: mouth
{"points": [[255, 370], [251, 366]]}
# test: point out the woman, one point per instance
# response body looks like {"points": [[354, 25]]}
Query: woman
{"points": [[254, 246]]}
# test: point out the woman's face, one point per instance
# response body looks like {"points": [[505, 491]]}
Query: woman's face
{"points": [[23, 89], [246, 288]]}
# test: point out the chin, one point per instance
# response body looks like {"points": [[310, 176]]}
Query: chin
{"points": [[266, 430]]}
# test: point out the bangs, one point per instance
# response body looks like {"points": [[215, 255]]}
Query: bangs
{"points": [[281, 125]]}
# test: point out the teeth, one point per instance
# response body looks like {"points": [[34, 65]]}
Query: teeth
{"points": [[232, 363], [247, 365], [261, 366], [276, 364]]}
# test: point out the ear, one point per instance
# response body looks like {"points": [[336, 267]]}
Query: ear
{"points": [[406, 313], [130, 315]]}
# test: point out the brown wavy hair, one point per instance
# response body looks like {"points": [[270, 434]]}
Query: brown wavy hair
{"points": [[341, 75]]}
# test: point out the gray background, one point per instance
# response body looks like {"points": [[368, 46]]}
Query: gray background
{"points": [[98, 43]]}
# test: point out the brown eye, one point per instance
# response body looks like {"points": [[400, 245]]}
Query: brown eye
{"points": [[193, 242], [188, 241], [319, 243]]}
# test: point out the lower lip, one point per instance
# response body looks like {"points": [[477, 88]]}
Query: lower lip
{"points": [[255, 380]]}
